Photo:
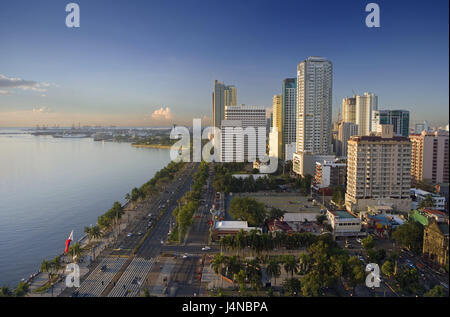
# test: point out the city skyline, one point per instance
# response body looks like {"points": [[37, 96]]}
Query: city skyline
{"points": [[129, 74]]}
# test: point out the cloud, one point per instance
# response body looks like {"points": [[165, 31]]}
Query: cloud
{"points": [[41, 110], [7, 83], [162, 114]]}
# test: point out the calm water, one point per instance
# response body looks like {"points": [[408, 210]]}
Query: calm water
{"points": [[50, 186]]}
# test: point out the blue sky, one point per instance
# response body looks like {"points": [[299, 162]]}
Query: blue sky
{"points": [[130, 58]]}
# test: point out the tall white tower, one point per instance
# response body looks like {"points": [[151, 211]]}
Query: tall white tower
{"points": [[314, 105]]}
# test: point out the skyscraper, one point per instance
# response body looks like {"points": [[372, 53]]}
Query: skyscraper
{"points": [[277, 124], [365, 105], [249, 117], [349, 109], [314, 105], [378, 171], [398, 118], [223, 96], [345, 131], [289, 115], [430, 157]]}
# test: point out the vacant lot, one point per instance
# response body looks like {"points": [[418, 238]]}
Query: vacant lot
{"points": [[289, 202]]}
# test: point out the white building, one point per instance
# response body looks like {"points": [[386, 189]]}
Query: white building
{"points": [[253, 123], [344, 224], [365, 105], [289, 151], [418, 195], [314, 105], [345, 131], [232, 143], [289, 115]]}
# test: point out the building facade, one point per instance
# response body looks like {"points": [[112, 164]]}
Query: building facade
{"points": [[329, 174], [349, 109], [252, 118], [435, 242], [276, 139], [430, 157], [345, 131], [289, 114], [378, 171], [365, 105], [314, 105], [398, 118], [222, 96]]}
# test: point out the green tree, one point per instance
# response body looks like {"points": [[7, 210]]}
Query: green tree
{"points": [[21, 289], [428, 202], [5, 292], [311, 284], [387, 268], [273, 269], [292, 286], [321, 218], [368, 242], [436, 291], [247, 209], [410, 235], [290, 264], [75, 250]]}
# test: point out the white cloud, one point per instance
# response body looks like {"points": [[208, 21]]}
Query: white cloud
{"points": [[41, 110], [162, 114], [4, 92], [18, 83]]}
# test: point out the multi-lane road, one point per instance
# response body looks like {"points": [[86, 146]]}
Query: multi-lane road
{"points": [[122, 273]]}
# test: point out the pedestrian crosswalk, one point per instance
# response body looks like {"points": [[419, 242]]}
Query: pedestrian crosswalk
{"points": [[133, 278], [98, 280]]}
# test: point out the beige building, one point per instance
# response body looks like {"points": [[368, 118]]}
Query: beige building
{"points": [[430, 157], [276, 139], [344, 224], [345, 131], [378, 171], [349, 109]]}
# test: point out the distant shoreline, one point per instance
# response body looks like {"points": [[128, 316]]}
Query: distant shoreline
{"points": [[152, 146]]}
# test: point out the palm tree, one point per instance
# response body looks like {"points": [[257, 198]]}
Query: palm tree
{"points": [[290, 264], [305, 262], [47, 268], [240, 278], [273, 269], [217, 264], [75, 249], [5, 291], [21, 289], [55, 264]]}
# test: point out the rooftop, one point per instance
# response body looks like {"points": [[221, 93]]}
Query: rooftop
{"points": [[342, 214], [231, 225]]}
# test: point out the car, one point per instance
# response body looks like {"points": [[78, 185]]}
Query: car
{"points": [[206, 248], [139, 233], [129, 235], [185, 256], [162, 241], [359, 240]]}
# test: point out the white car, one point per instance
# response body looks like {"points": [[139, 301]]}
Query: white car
{"points": [[129, 235], [185, 256], [206, 248], [359, 240]]}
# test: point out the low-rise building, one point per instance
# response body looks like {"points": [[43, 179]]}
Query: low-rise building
{"points": [[418, 195], [329, 174], [226, 228], [344, 224]]}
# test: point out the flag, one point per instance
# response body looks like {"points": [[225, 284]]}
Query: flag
{"points": [[69, 240]]}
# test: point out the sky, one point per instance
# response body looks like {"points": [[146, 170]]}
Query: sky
{"points": [[151, 63]]}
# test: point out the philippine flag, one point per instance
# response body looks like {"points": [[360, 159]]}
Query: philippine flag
{"points": [[68, 242]]}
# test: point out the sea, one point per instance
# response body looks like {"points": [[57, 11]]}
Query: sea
{"points": [[51, 186]]}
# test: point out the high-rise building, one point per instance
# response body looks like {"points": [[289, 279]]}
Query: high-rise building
{"points": [[345, 131], [420, 127], [430, 157], [365, 105], [329, 174], [378, 171], [231, 144], [398, 118], [223, 96], [289, 115], [314, 105], [277, 124], [349, 109], [250, 117]]}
